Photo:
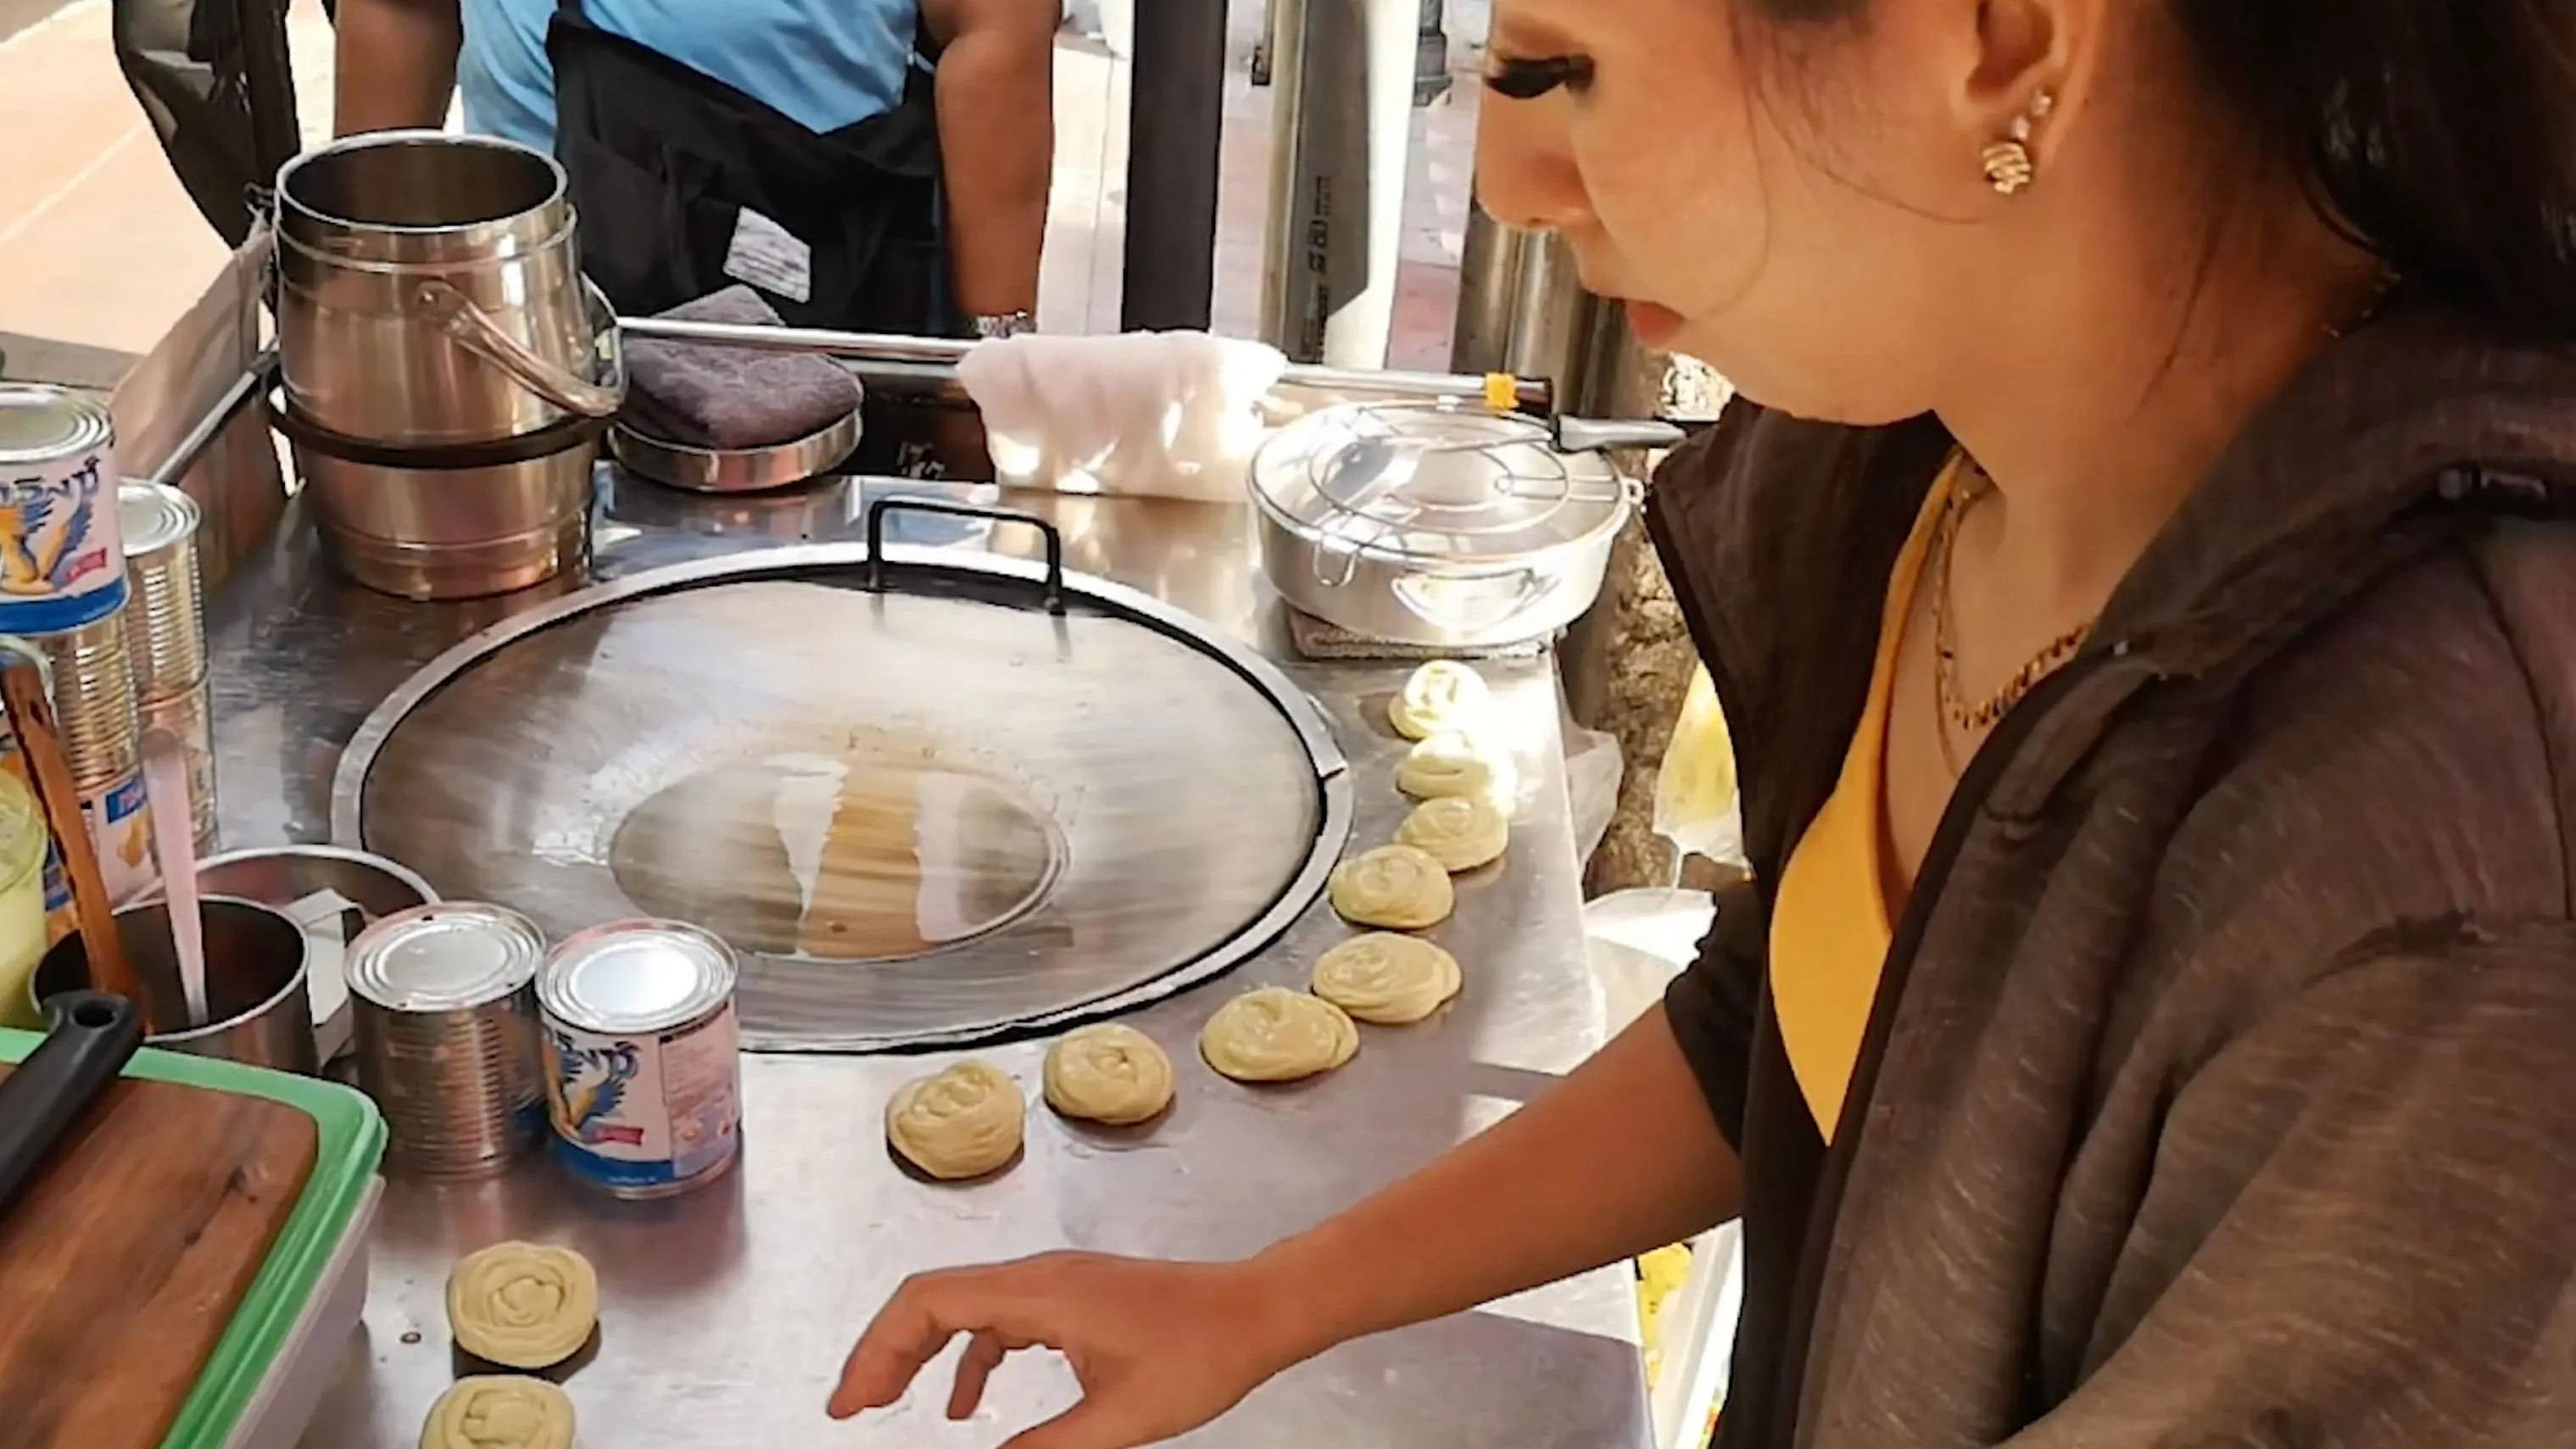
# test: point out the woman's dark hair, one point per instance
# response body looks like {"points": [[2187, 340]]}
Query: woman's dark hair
{"points": [[2440, 133]]}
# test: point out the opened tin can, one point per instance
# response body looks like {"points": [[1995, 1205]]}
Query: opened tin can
{"points": [[442, 1002], [92, 683], [643, 1056], [165, 611], [93, 702], [61, 565]]}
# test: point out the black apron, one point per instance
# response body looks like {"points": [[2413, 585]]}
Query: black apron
{"points": [[685, 186]]}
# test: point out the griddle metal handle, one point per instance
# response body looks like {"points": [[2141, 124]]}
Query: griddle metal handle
{"points": [[93, 1036], [1052, 595]]}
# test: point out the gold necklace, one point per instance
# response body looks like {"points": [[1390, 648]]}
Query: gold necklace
{"points": [[1956, 712], [1970, 485]]}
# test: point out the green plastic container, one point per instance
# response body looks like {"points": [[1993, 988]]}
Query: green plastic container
{"points": [[352, 1144]]}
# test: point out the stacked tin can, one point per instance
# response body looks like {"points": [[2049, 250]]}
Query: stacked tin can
{"points": [[63, 593], [443, 1000], [165, 633]]}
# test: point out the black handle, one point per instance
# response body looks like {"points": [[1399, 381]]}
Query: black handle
{"points": [[92, 1036], [560, 436], [1053, 595]]}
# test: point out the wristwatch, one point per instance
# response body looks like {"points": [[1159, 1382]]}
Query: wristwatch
{"points": [[1009, 324]]}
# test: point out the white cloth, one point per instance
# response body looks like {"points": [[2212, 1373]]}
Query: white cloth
{"points": [[1144, 414]]}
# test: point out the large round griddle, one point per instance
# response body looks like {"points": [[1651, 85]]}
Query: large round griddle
{"points": [[928, 808]]}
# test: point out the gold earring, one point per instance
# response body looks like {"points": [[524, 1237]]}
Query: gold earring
{"points": [[2008, 163]]}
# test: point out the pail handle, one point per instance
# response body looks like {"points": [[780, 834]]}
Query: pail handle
{"points": [[475, 331]]}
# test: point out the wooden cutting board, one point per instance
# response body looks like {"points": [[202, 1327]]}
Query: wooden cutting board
{"points": [[124, 1262]]}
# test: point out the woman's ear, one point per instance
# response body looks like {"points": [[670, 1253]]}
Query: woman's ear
{"points": [[2023, 80], [2026, 47]]}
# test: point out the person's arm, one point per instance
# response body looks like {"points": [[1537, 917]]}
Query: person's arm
{"points": [[395, 64], [995, 91], [1621, 1159]]}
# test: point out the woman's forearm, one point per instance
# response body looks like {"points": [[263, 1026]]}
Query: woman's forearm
{"points": [[1621, 1158]]}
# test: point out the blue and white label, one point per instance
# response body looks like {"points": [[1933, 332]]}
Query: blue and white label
{"points": [[120, 831], [637, 1114], [62, 563]]}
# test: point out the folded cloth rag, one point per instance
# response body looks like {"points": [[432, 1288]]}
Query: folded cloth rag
{"points": [[1150, 414], [729, 398]]}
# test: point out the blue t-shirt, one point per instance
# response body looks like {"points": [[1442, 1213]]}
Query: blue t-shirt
{"points": [[824, 63]]}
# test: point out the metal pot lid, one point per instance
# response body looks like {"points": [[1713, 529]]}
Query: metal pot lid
{"points": [[1433, 483], [922, 817]]}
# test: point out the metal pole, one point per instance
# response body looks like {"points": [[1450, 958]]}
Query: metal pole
{"points": [[1522, 308], [1175, 107], [1556, 320], [1489, 267], [1337, 176]]}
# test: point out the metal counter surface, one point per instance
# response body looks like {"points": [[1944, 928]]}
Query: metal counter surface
{"points": [[726, 1312]]}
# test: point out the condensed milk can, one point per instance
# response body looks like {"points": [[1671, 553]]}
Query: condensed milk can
{"points": [[92, 691], [61, 562], [165, 633], [643, 1056], [444, 1015]]}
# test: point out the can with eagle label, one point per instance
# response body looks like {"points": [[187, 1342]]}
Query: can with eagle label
{"points": [[92, 692], [643, 1056], [61, 562]]}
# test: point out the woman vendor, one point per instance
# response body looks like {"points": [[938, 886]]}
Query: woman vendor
{"points": [[2139, 580]]}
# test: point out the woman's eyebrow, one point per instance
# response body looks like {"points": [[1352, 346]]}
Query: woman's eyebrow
{"points": [[1533, 28]]}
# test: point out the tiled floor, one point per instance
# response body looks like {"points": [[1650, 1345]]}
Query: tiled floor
{"points": [[99, 245]]}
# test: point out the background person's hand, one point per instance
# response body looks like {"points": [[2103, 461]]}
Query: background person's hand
{"points": [[1160, 1348]]}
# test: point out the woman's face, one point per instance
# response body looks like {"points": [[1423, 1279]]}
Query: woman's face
{"points": [[1809, 218]]}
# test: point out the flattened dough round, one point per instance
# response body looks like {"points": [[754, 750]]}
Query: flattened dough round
{"points": [[1462, 832], [1108, 1073], [1396, 887], [500, 1411], [1277, 1035], [1451, 764], [1386, 979], [1442, 695], [522, 1305], [956, 1124]]}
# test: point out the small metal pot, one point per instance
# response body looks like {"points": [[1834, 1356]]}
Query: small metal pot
{"points": [[331, 893], [1437, 526], [256, 983]]}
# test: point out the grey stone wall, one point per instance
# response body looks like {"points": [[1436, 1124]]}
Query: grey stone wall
{"points": [[1628, 663]]}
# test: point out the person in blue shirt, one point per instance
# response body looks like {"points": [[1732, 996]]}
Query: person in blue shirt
{"points": [[879, 165]]}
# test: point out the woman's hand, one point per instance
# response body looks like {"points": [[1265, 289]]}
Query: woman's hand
{"points": [[1160, 1348], [1623, 1156]]}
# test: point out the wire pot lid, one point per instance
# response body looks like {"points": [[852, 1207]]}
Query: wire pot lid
{"points": [[1433, 483]]}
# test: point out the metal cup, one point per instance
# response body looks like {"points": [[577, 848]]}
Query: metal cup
{"points": [[256, 989], [333, 893]]}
